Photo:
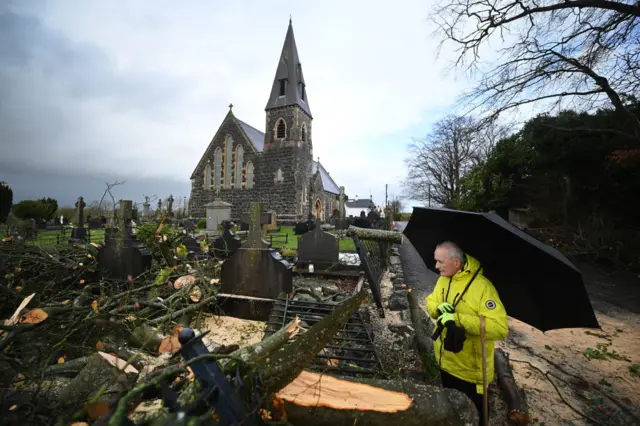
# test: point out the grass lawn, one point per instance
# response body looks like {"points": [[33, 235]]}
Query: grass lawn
{"points": [[292, 240], [53, 238]]}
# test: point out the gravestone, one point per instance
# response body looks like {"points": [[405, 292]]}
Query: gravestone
{"points": [[227, 244], [318, 248], [217, 212], [79, 232], [188, 225], [122, 255], [301, 228], [265, 219], [255, 269]]}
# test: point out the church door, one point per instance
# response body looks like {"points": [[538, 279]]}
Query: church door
{"points": [[318, 209]]}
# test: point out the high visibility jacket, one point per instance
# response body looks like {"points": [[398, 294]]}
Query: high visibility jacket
{"points": [[480, 299]]}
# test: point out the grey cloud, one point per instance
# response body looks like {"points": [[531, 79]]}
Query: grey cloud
{"points": [[30, 183], [83, 70], [52, 93]]}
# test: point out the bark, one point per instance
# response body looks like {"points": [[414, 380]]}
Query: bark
{"points": [[97, 376], [376, 234], [315, 399], [257, 352], [283, 366], [518, 413], [424, 328]]}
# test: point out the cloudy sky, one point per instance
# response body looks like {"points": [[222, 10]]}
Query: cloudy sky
{"points": [[95, 91]]}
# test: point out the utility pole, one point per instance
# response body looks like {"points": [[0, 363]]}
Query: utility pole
{"points": [[386, 195]]}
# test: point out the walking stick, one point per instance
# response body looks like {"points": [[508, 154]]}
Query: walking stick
{"points": [[485, 397]]}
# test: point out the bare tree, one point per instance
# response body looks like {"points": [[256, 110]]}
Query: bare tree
{"points": [[438, 162], [583, 54]]}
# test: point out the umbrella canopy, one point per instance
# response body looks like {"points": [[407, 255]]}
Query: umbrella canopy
{"points": [[536, 283]]}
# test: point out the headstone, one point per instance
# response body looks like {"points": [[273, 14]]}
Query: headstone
{"points": [[301, 228], [256, 270], [79, 232], [188, 225], [318, 248], [227, 244], [122, 254], [194, 248], [217, 212]]}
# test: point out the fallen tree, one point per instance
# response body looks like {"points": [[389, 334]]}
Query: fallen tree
{"points": [[315, 399], [424, 328], [376, 234], [518, 413]]}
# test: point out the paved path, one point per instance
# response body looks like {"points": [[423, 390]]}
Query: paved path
{"points": [[416, 274]]}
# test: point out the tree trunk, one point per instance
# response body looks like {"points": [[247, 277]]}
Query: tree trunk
{"points": [[424, 328], [315, 399], [283, 366], [376, 234], [518, 414]]}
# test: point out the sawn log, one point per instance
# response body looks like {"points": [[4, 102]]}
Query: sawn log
{"points": [[316, 399], [518, 413], [376, 234]]}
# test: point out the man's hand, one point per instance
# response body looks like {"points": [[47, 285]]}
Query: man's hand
{"points": [[446, 317], [445, 307]]}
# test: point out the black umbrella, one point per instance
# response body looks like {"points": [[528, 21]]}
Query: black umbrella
{"points": [[536, 283]]}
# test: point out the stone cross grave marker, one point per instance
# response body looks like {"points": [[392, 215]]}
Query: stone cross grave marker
{"points": [[256, 270], [170, 201], [79, 232]]}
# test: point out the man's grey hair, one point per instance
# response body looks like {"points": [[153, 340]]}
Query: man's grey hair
{"points": [[455, 252]]}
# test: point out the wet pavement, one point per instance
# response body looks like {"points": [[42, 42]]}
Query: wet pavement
{"points": [[416, 275]]}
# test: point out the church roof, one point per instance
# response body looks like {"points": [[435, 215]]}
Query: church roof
{"points": [[256, 137], [289, 69], [327, 182]]}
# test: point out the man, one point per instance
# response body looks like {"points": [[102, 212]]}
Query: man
{"points": [[452, 305]]}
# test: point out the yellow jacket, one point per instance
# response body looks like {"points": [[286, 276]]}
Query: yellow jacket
{"points": [[480, 299]]}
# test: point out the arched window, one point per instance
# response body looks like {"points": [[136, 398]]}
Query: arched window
{"points": [[228, 159], [249, 174], [239, 165], [281, 129], [207, 177], [278, 177], [217, 165], [304, 132]]}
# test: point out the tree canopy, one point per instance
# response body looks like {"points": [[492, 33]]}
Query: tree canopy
{"points": [[6, 201]]}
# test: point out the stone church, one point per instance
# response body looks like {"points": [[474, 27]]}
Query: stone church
{"points": [[243, 164]]}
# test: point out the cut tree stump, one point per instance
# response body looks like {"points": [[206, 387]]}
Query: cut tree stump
{"points": [[376, 234], [316, 399], [518, 413]]}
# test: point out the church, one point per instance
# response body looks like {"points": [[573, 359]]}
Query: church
{"points": [[276, 168]]}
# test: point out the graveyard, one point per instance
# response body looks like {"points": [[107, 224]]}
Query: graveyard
{"points": [[126, 323]]}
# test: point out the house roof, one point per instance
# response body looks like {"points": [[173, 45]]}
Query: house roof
{"points": [[256, 137], [363, 203], [289, 69], [327, 182]]}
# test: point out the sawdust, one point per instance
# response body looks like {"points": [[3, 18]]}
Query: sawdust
{"points": [[591, 369], [229, 330]]}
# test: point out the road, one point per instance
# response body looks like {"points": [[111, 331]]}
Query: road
{"points": [[416, 274]]}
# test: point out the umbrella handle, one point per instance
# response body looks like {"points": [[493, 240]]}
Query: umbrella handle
{"points": [[485, 397]]}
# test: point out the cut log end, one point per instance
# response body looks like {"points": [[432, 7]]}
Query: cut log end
{"points": [[316, 390]]}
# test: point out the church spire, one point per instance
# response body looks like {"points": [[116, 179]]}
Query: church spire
{"points": [[288, 85]]}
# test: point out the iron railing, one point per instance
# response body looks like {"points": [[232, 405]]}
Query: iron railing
{"points": [[351, 352]]}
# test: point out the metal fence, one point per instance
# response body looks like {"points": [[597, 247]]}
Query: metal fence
{"points": [[51, 236], [374, 258]]}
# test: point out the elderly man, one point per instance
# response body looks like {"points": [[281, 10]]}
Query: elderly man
{"points": [[461, 296]]}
